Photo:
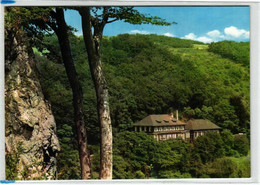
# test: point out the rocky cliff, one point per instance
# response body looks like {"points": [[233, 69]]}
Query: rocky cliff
{"points": [[30, 129]]}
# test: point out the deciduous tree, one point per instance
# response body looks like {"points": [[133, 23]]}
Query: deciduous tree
{"points": [[95, 19], [62, 34]]}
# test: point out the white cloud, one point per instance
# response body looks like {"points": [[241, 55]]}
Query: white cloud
{"points": [[169, 34], [235, 32], [139, 32], [192, 36], [230, 33], [204, 39], [214, 33], [247, 35]]}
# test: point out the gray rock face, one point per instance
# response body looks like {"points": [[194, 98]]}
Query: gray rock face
{"points": [[30, 128]]}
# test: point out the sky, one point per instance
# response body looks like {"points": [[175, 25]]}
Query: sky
{"points": [[205, 24]]}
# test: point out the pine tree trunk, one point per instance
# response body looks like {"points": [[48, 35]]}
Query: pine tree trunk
{"points": [[77, 94], [92, 46]]}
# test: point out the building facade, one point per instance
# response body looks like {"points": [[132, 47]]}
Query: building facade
{"points": [[166, 126], [199, 127]]}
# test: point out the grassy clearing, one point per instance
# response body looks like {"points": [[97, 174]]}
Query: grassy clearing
{"points": [[200, 46]]}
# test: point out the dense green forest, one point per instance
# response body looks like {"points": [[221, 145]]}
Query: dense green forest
{"points": [[151, 74]]}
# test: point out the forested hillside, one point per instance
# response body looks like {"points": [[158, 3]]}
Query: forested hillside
{"points": [[150, 74]]}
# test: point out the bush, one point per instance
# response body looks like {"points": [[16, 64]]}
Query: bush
{"points": [[228, 141], [136, 152], [173, 174], [209, 147], [241, 144], [139, 175], [222, 168], [11, 166]]}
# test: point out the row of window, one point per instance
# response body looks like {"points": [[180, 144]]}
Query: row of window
{"points": [[169, 136], [201, 133], [156, 129], [168, 128]]}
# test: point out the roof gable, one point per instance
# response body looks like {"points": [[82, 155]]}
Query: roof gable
{"points": [[200, 124]]}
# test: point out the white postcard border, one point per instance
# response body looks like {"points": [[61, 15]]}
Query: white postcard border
{"points": [[254, 87]]}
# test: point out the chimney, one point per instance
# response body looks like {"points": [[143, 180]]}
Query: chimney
{"points": [[177, 115], [171, 115]]}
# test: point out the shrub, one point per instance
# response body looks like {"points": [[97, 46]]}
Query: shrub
{"points": [[222, 168], [241, 144], [209, 147]]}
